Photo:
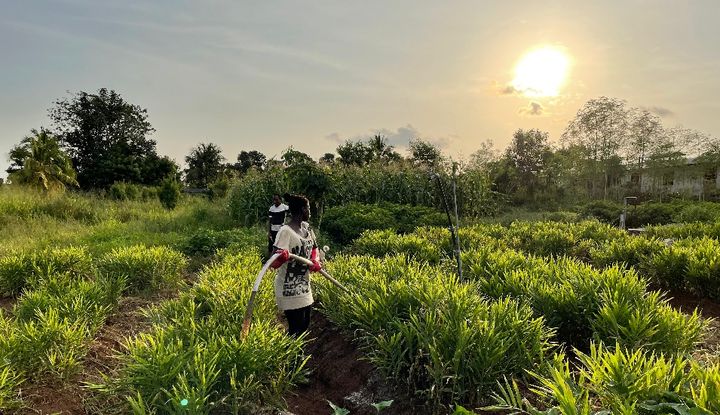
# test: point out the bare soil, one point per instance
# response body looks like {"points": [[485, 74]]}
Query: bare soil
{"points": [[342, 376]]}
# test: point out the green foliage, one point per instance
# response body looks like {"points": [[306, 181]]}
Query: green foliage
{"points": [[251, 196], [204, 165], [145, 268], [46, 345], [389, 243], [219, 188], [622, 381], [345, 223], [41, 163], [206, 242], [9, 383], [603, 210], [108, 140], [169, 193], [420, 324], [20, 270], [195, 351]]}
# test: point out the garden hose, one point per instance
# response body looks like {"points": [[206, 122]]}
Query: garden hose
{"points": [[258, 280]]}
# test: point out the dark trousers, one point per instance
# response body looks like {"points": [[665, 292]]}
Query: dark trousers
{"points": [[271, 242], [298, 320]]}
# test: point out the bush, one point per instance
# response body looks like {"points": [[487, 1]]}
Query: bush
{"points": [[219, 188], [345, 223], [603, 210], [206, 242], [703, 268], [651, 214], [169, 193], [251, 196], [195, 349], [424, 327], [145, 268], [20, 270]]}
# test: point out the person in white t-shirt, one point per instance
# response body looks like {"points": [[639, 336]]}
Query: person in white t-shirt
{"points": [[276, 219], [292, 283]]}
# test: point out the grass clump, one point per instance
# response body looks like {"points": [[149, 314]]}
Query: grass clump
{"points": [[195, 350], [20, 270], [144, 268], [418, 324]]}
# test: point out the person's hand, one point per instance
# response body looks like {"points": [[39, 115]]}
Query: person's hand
{"points": [[316, 265], [270, 236], [283, 258]]}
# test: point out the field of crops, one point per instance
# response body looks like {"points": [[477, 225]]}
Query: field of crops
{"points": [[122, 307]]}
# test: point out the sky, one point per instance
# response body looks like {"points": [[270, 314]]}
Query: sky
{"points": [[269, 75]]}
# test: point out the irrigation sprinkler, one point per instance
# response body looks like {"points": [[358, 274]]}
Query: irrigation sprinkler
{"points": [[251, 302], [452, 227]]}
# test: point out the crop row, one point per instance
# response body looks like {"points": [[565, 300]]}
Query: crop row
{"points": [[452, 341], [63, 299], [195, 359]]}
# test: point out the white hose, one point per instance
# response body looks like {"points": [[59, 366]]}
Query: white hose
{"points": [[263, 270]]}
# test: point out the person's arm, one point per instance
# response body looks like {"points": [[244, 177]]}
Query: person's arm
{"points": [[282, 247]]}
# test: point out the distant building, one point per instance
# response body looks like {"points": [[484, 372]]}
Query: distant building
{"points": [[690, 179]]}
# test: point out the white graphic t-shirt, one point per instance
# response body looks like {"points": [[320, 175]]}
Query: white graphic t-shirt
{"points": [[292, 282]]}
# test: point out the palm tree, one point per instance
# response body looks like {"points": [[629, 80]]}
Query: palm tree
{"points": [[45, 165]]}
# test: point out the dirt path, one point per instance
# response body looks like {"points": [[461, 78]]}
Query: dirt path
{"points": [[340, 375]]}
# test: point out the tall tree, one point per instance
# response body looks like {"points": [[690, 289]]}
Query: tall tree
{"points": [[424, 153], [106, 137], [292, 156], [380, 150], [205, 164], [354, 152], [247, 160], [601, 126], [527, 154], [327, 158], [45, 165]]}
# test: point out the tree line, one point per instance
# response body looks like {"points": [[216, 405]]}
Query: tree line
{"points": [[98, 139]]}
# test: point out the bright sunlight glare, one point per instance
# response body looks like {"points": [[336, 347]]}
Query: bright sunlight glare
{"points": [[541, 72]]}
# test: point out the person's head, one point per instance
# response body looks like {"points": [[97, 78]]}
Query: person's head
{"points": [[276, 199], [299, 206]]}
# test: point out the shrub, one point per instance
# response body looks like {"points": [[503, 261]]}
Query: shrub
{"points": [[387, 242], [169, 193], [195, 350], [145, 268], [45, 345], [630, 251], [603, 210], [703, 268], [651, 214], [423, 326], [86, 302], [22, 269], [206, 242], [346, 222]]}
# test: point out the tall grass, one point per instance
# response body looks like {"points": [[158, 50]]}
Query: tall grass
{"points": [[195, 351], [144, 268], [441, 337]]}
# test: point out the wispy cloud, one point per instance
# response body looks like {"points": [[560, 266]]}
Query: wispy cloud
{"points": [[661, 111], [533, 109], [399, 137]]}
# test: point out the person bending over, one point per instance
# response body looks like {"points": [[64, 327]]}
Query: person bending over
{"points": [[292, 283]]}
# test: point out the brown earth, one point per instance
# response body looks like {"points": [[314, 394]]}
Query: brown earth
{"points": [[342, 376]]}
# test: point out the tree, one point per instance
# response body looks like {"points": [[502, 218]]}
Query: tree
{"points": [[423, 152], [380, 150], [45, 165], [106, 137], [169, 192], [527, 154], [601, 126], [327, 158], [204, 165], [354, 152], [292, 156], [250, 159], [646, 131], [483, 156]]}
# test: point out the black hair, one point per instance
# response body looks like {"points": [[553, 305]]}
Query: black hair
{"points": [[296, 203]]}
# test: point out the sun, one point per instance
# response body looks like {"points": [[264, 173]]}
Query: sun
{"points": [[541, 72]]}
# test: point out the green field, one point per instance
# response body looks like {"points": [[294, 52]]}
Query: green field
{"points": [[124, 307]]}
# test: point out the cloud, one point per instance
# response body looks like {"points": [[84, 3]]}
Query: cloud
{"points": [[661, 111], [509, 90], [334, 137], [534, 108]]}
